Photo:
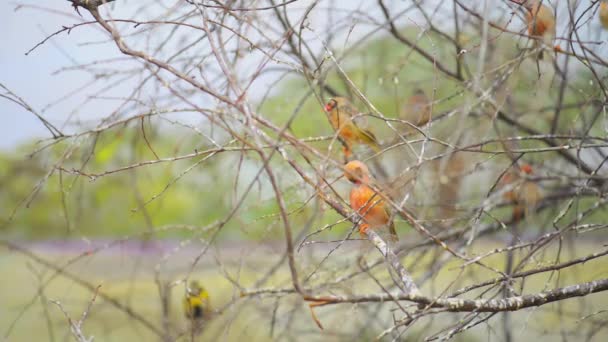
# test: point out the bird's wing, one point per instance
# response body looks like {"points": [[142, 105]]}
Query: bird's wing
{"points": [[369, 138], [360, 120], [393, 231]]}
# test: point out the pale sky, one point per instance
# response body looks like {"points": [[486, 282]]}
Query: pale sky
{"points": [[31, 77]]}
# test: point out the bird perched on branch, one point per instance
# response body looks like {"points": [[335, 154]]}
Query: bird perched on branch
{"points": [[88, 4], [197, 306], [523, 193], [341, 115], [604, 13], [366, 202], [541, 23], [418, 108], [449, 173]]}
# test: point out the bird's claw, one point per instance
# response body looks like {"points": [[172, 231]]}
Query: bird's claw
{"points": [[76, 4], [363, 230]]}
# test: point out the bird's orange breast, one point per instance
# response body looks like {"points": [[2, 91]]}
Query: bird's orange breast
{"points": [[537, 27], [340, 122], [346, 133], [540, 21], [369, 205]]}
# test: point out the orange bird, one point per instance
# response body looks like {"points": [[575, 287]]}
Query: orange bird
{"points": [[341, 112], [524, 194], [604, 14], [541, 23], [417, 109], [366, 202]]}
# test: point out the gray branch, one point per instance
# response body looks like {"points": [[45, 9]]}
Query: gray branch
{"points": [[407, 283], [479, 305]]}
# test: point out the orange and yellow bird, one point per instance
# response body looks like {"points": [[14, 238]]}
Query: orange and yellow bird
{"points": [[524, 194], [366, 202], [341, 115], [604, 13], [541, 23]]}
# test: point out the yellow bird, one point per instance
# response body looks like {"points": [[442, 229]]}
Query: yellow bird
{"points": [[541, 23], [196, 302], [341, 112], [604, 14]]}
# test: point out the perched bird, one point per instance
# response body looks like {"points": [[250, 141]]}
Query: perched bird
{"points": [[541, 23], [196, 302], [418, 108], [365, 201], [90, 5], [524, 194], [341, 112], [604, 13], [449, 172]]}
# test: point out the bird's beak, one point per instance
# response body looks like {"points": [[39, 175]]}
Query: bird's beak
{"points": [[327, 108]]}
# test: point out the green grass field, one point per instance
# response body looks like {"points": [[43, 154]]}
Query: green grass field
{"points": [[129, 277]]}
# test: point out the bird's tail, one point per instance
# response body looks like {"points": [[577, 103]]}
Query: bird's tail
{"points": [[375, 146], [391, 228], [537, 45], [518, 212]]}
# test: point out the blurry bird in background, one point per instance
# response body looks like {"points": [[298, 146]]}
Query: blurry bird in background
{"points": [[366, 202], [604, 14], [418, 109], [449, 172], [341, 115], [523, 193], [197, 306], [541, 23]]}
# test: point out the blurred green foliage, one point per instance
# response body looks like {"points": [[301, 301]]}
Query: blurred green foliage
{"points": [[252, 317]]}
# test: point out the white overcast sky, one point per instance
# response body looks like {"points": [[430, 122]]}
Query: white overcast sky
{"points": [[31, 76]]}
